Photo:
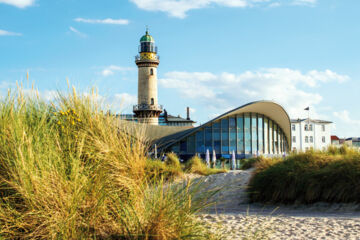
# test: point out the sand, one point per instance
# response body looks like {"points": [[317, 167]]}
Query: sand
{"points": [[235, 218]]}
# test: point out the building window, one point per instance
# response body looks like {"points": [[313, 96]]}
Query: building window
{"points": [[151, 71], [294, 139], [225, 135], [240, 134], [306, 139], [208, 138], [152, 101], [293, 127], [310, 127], [306, 127], [232, 136], [254, 136], [323, 127], [311, 139], [247, 132], [323, 139]]}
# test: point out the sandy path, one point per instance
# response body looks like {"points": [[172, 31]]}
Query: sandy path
{"points": [[237, 219], [240, 226]]}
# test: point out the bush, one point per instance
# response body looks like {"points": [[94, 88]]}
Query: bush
{"points": [[156, 170], [308, 178], [67, 171], [196, 165]]}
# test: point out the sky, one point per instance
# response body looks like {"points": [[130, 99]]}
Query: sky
{"points": [[215, 55]]}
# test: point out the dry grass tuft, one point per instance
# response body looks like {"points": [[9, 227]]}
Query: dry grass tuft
{"points": [[196, 165], [67, 171]]}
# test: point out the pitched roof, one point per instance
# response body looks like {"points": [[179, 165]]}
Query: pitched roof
{"points": [[310, 120], [171, 118]]}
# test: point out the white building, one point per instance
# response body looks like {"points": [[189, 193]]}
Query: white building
{"points": [[310, 133]]}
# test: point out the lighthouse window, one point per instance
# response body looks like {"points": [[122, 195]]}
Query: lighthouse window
{"points": [[151, 71], [152, 101]]}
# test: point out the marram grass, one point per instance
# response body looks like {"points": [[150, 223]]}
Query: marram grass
{"points": [[67, 171], [332, 176]]}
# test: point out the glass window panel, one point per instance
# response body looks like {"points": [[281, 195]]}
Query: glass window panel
{"points": [[254, 133], [232, 139], [217, 139], [216, 124], [191, 144], [183, 146], [224, 123], [260, 134], [208, 138], [232, 122], [225, 136], [247, 132], [240, 134], [175, 148], [266, 135], [200, 146]]}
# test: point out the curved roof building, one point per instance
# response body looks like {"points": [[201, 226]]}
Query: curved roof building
{"points": [[257, 128]]}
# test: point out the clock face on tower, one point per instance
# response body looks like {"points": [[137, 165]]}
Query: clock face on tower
{"points": [[148, 56]]}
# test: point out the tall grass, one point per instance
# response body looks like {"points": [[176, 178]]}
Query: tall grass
{"points": [[67, 171], [196, 165], [332, 176]]}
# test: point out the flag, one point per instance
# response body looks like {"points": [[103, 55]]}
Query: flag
{"points": [[307, 109]]}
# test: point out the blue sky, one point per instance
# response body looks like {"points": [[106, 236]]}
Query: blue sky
{"points": [[215, 54]]}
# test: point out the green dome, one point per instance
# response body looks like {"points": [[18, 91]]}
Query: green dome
{"points": [[147, 38]]}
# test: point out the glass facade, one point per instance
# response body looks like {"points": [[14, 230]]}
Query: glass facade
{"points": [[225, 135], [240, 134], [248, 133]]}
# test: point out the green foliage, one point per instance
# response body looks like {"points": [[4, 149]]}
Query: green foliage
{"points": [[307, 178], [196, 165], [85, 179]]}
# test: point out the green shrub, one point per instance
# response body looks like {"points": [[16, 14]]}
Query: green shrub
{"points": [[308, 178], [196, 165]]}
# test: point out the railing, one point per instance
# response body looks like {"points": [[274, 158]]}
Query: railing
{"points": [[147, 107], [138, 58]]}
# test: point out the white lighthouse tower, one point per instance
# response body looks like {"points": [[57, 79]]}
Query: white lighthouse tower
{"points": [[147, 110]]}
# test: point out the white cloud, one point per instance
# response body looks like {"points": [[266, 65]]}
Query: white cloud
{"points": [[103, 21], [226, 90], [110, 70], [19, 3], [6, 33], [305, 2], [77, 32], [349, 126], [179, 8], [345, 117], [125, 101]]}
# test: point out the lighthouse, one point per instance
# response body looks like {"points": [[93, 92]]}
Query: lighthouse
{"points": [[147, 110]]}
